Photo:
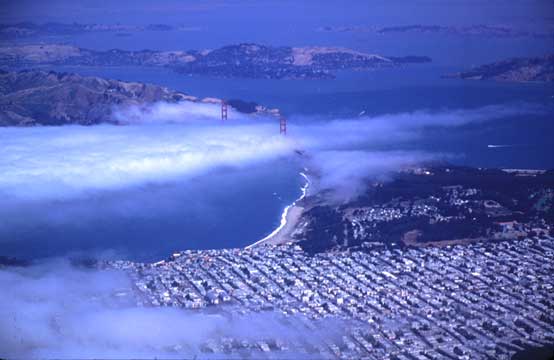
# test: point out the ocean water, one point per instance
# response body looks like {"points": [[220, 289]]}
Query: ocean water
{"points": [[392, 91], [221, 209], [445, 50], [236, 208]]}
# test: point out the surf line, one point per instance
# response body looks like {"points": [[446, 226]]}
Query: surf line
{"points": [[285, 213]]}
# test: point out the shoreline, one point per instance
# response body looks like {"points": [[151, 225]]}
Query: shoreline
{"points": [[289, 218]]}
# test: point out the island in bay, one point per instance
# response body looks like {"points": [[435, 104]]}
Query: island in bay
{"points": [[530, 69], [245, 60]]}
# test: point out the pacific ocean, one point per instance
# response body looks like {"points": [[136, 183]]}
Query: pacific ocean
{"points": [[233, 208]]}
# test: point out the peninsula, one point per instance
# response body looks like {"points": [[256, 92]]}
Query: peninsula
{"points": [[35, 97], [234, 61]]}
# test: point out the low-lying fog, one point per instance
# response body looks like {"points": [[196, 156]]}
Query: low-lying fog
{"points": [[82, 179]]}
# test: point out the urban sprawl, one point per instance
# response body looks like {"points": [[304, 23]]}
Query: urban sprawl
{"points": [[485, 300]]}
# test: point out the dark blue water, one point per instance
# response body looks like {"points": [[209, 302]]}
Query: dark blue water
{"points": [[393, 91], [445, 50], [222, 209], [229, 208]]}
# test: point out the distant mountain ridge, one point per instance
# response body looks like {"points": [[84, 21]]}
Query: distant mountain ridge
{"points": [[497, 31], [242, 60], [29, 98], [540, 69], [29, 29]]}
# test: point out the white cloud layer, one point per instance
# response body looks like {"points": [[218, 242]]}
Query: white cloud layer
{"points": [[390, 129], [60, 162], [54, 163], [345, 172], [53, 310], [176, 113]]}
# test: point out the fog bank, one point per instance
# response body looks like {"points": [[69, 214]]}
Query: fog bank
{"points": [[54, 310]]}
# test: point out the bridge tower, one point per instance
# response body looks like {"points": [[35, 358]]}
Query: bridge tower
{"points": [[223, 110], [283, 125]]}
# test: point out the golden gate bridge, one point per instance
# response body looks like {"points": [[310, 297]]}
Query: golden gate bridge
{"points": [[282, 119]]}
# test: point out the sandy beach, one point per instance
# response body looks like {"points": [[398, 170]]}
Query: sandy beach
{"points": [[289, 219]]}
